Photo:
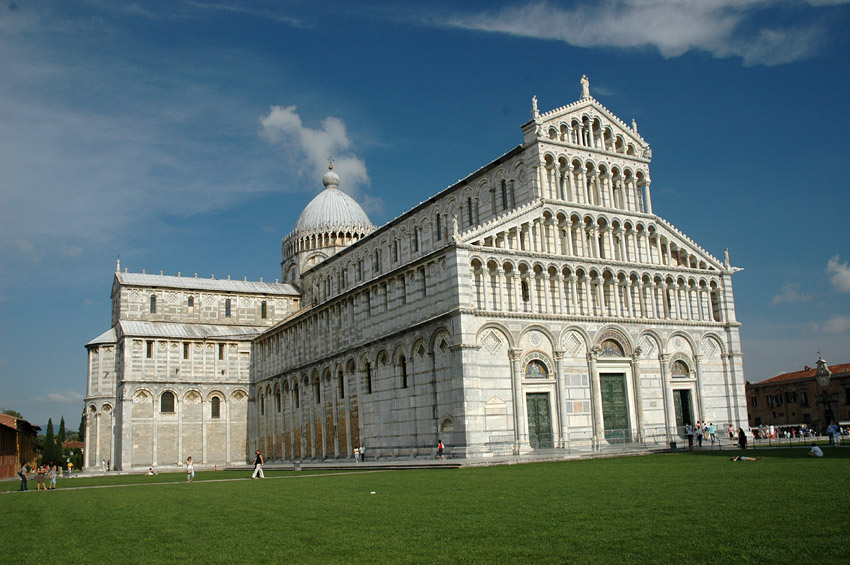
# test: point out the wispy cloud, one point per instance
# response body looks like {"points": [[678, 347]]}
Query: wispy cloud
{"points": [[723, 28], [310, 148], [839, 274], [790, 294], [837, 325], [60, 397]]}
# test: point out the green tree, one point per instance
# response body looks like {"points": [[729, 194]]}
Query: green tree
{"points": [[48, 452], [62, 436], [14, 413], [82, 431]]}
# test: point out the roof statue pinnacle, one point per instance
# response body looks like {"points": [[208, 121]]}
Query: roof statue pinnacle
{"points": [[726, 258], [118, 264], [634, 125], [535, 113], [585, 87]]}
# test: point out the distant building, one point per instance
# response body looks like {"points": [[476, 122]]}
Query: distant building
{"points": [[17, 444], [813, 396]]}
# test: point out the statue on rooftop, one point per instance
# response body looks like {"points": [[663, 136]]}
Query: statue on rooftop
{"points": [[585, 87]]}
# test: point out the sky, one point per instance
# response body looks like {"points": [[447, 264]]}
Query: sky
{"points": [[186, 136]]}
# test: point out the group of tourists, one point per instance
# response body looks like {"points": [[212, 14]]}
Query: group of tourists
{"points": [[45, 476], [700, 431]]}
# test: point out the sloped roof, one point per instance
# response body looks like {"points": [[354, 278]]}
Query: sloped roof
{"points": [[106, 337], [803, 375], [193, 283], [132, 328]]}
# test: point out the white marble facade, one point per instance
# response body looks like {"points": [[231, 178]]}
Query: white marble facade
{"points": [[539, 302]]}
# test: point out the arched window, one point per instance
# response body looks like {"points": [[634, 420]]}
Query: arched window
{"points": [[680, 370], [403, 362], [262, 404], [611, 348], [536, 370], [469, 210], [297, 396], [215, 407], [368, 378], [153, 303], [439, 226], [524, 286], [504, 195], [263, 309], [277, 402], [227, 308], [341, 385], [317, 396], [190, 304], [166, 403]]}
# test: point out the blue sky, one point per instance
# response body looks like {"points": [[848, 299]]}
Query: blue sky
{"points": [[188, 135]]}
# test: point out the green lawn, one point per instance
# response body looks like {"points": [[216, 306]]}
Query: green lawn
{"points": [[674, 508]]}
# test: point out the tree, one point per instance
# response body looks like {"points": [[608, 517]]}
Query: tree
{"points": [[48, 452], [14, 413], [82, 430], [62, 437]]}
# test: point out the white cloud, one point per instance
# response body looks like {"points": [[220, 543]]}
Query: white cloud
{"points": [[29, 250], [673, 27], [312, 147], [69, 396], [837, 325], [790, 293], [840, 274]]}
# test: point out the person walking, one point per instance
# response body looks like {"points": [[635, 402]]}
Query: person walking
{"points": [[699, 434], [23, 475], [190, 470], [689, 431], [440, 448], [357, 455], [258, 466], [712, 431]]}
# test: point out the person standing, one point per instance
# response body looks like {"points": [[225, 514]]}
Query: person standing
{"points": [[190, 470], [742, 438], [689, 431], [51, 474], [440, 448], [363, 453], [357, 455], [699, 433], [41, 472], [23, 475], [258, 466], [103, 464], [712, 432]]}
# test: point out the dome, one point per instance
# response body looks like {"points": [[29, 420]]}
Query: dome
{"points": [[332, 210]]}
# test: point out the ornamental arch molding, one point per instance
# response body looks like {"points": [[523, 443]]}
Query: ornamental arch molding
{"points": [[574, 341], [616, 335], [681, 342]]}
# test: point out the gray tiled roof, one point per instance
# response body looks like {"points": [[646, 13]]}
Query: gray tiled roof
{"points": [[177, 331], [224, 285]]}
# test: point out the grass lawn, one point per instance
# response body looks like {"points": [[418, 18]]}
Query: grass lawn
{"points": [[692, 507]]}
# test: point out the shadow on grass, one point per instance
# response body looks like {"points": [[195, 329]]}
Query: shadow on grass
{"points": [[801, 452]]}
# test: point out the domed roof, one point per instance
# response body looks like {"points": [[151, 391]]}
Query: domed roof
{"points": [[332, 210]]}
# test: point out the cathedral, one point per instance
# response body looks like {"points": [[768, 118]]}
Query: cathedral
{"points": [[538, 303]]}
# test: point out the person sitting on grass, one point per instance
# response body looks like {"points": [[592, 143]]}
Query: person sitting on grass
{"points": [[815, 451], [743, 458]]}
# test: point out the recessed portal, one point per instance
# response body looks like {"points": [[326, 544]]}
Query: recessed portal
{"points": [[615, 406], [539, 420]]}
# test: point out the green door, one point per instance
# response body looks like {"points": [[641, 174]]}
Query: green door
{"points": [[615, 406], [539, 420]]}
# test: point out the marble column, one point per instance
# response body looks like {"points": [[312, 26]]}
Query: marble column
{"points": [[596, 395], [520, 424], [636, 384], [669, 406]]}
